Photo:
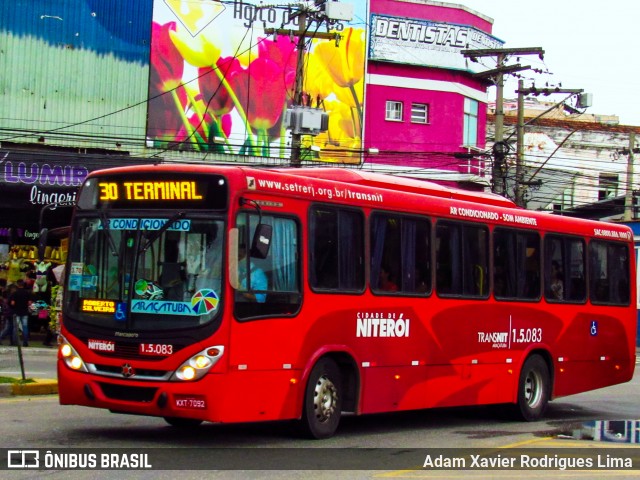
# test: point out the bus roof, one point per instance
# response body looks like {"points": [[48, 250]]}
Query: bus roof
{"points": [[379, 180], [344, 175], [389, 182]]}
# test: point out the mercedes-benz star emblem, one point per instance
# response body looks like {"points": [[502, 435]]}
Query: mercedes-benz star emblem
{"points": [[128, 371]]}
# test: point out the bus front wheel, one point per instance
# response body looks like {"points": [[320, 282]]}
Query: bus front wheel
{"points": [[322, 400], [534, 389]]}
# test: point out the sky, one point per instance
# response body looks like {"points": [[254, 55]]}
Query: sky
{"points": [[589, 44]]}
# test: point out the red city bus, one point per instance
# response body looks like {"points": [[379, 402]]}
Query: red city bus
{"points": [[235, 294]]}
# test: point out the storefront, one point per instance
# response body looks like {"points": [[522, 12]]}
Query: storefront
{"points": [[38, 190]]}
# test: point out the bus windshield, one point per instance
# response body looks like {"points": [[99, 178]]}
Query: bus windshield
{"points": [[142, 273]]}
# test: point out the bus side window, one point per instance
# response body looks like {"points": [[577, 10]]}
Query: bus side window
{"points": [[268, 286], [564, 269], [336, 249], [400, 254], [516, 264], [462, 253], [609, 273], [447, 257], [475, 260]]}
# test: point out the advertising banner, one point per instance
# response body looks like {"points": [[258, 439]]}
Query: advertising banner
{"points": [[223, 74], [427, 43]]}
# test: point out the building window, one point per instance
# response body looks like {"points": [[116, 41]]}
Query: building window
{"points": [[470, 134], [419, 113], [393, 111], [608, 186]]}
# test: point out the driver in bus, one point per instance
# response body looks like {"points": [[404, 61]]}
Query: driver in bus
{"points": [[258, 278]]}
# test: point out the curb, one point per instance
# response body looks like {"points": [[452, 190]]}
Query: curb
{"points": [[39, 387], [5, 349]]}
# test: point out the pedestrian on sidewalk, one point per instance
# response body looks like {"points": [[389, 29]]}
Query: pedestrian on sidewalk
{"points": [[7, 313], [19, 302]]}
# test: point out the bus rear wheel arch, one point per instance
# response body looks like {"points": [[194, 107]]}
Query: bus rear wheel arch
{"points": [[534, 389]]}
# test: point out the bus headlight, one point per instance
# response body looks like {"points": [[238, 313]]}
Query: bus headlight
{"points": [[70, 356], [199, 364]]}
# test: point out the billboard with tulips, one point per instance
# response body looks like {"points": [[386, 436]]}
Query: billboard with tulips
{"points": [[222, 75]]}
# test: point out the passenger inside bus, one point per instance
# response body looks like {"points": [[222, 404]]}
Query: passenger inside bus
{"points": [[557, 287], [385, 281]]}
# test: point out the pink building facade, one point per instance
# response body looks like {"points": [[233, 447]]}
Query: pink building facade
{"points": [[423, 105]]}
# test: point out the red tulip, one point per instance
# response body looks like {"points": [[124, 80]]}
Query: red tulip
{"points": [[167, 65], [214, 94], [260, 90]]}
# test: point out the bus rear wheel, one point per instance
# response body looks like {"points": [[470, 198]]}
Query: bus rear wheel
{"points": [[179, 422], [322, 400], [534, 389]]}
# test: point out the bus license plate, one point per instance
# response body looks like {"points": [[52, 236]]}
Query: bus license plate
{"points": [[196, 402]]}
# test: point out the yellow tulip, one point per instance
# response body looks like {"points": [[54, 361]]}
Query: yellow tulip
{"points": [[341, 122], [351, 96], [345, 62], [199, 51], [317, 82]]}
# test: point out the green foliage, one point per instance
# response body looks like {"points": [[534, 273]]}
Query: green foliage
{"points": [[19, 381]]}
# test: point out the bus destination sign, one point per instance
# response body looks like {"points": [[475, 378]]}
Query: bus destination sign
{"points": [[189, 191], [149, 190]]}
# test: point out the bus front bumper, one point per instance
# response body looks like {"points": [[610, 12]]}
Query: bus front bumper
{"points": [[222, 398]]}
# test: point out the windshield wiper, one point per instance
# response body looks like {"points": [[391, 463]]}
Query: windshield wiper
{"points": [[105, 228], [155, 234]]}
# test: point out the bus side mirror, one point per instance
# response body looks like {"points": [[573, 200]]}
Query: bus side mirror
{"points": [[42, 243], [261, 241]]}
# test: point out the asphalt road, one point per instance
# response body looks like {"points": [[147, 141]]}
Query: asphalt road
{"points": [[579, 421]]}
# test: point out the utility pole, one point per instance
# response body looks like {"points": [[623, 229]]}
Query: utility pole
{"points": [[521, 184], [628, 198], [519, 188], [337, 12], [498, 166], [296, 138], [501, 54]]}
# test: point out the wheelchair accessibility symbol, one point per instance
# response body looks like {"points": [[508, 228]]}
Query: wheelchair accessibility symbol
{"points": [[594, 328], [121, 309]]}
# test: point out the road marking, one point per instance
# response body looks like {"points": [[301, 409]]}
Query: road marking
{"points": [[524, 442]]}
